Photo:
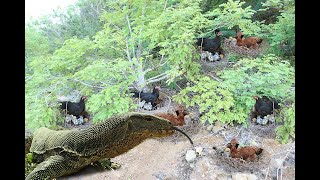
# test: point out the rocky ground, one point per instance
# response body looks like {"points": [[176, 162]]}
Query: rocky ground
{"points": [[167, 159], [174, 158]]}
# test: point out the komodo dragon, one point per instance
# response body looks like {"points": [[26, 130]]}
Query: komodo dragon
{"points": [[65, 152]]}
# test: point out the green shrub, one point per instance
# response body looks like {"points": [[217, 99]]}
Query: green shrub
{"points": [[233, 57], [233, 13], [231, 99], [40, 114], [214, 101], [287, 129], [112, 100], [268, 75], [281, 34]]}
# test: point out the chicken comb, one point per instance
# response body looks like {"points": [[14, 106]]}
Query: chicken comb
{"points": [[84, 97]]}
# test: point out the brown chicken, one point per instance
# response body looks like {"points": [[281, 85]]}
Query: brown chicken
{"points": [[249, 42], [177, 119], [248, 153]]}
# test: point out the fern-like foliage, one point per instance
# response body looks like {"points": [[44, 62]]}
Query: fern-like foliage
{"points": [[231, 99], [268, 75], [287, 129], [215, 102], [233, 13], [281, 34]]}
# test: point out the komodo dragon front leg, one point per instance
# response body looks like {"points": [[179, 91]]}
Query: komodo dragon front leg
{"points": [[54, 166], [106, 164]]}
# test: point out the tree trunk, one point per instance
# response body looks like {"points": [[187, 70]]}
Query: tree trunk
{"points": [[141, 80]]}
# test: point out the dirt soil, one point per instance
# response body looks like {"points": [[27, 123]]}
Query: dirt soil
{"points": [[165, 159]]}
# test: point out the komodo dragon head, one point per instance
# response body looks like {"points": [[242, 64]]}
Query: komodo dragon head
{"points": [[151, 126], [127, 131]]}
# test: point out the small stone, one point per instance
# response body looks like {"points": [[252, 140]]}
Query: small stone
{"points": [[215, 57], [192, 165], [209, 128], [160, 175], [191, 155], [262, 121], [244, 176], [210, 151], [147, 106], [187, 120], [270, 118], [216, 129], [226, 152], [77, 121], [278, 162], [223, 176], [199, 151], [141, 104]]}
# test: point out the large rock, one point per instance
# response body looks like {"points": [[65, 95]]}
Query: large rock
{"points": [[191, 156], [244, 176]]}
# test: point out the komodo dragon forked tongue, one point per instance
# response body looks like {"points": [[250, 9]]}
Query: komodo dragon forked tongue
{"points": [[175, 128]]}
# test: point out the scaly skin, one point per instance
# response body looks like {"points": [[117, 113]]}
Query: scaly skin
{"points": [[67, 151]]}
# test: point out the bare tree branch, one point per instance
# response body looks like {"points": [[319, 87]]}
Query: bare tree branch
{"points": [[139, 51], [49, 90], [125, 74], [128, 21], [168, 103], [162, 59], [130, 31], [96, 9], [107, 84], [157, 76], [161, 64], [178, 86], [151, 80], [127, 50], [100, 87], [214, 77], [165, 5], [155, 67], [285, 157]]}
